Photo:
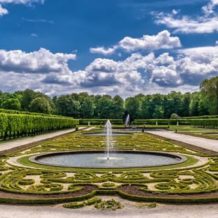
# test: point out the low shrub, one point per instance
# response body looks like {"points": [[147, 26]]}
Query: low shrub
{"points": [[108, 205]]}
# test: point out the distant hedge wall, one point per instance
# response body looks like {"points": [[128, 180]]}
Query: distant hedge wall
{"points": [[6, 111], [204, 123], [100, 121], [17, 125]]}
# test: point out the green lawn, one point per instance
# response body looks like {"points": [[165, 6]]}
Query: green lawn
{"points": [[195, 131]]}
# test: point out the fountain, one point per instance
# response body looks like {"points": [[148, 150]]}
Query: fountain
{"points": [[109, 145], [98, 159], [127, 121]]}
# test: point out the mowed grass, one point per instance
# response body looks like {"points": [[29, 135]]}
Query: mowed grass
{"points": [[195, 131]]}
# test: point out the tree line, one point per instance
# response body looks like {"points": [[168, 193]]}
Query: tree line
{"points": [[83, 105]]}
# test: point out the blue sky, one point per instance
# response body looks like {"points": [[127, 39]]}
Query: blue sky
{"points": [[107, 47]]}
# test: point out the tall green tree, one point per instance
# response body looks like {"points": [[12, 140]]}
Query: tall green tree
{"points": [[87, 108], [104, 107], [67, 106], [133, 107], [11, 103], [40, 105], [194, 104], [117, 107], [209, 90]]}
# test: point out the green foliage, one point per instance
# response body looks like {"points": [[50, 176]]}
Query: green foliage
{"points": [[40, 105], [100, 121], [133, 106], [11, 103], [203, 123], [87, 108], [83, 105], [108, 205], [68, 106], [17, 125], [209, 89], [76, 205], [148, 184]]}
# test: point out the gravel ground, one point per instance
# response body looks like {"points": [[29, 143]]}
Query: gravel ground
{"points": [[209, 144], [4, 146], [162, 211]]}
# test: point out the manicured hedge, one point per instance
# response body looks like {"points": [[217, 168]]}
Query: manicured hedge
{"points": [[17, 125], [99, 121], [204, 123], [202, 117], [161, 122], [6, 111]]}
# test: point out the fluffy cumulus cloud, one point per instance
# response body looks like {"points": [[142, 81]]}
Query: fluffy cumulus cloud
{"points": [[3, 3], [41, 61], [50, 72], [144, 73], [206, 23], [164, 71], [210, 7], [20, 70], [163, 40], [103, 50], [198, 63], [138, 72]]}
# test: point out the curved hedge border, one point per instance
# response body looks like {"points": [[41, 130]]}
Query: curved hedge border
{"points": [[169, 184]]}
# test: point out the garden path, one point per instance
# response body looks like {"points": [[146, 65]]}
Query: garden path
{"points": [[5, 146], [209, 144], [162, 211]]}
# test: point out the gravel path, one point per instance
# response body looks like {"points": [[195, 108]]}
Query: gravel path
{"points": [[162, 211], [208, 144], [4, 146]]}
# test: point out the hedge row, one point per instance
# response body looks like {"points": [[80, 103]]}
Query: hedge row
{"points": [[17, 125], [159, 122], [205, 123], [202, 117], [100, 121], [7, 111]]}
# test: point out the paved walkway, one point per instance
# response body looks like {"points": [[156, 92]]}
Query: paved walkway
{"points": [[162, 211], [208, 144], [4, 146]]}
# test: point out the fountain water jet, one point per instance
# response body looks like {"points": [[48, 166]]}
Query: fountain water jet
{"points": [[108, 129], [127, 121]]}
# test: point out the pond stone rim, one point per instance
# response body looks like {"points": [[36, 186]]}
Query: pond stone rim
{"points": [[180, 158]]}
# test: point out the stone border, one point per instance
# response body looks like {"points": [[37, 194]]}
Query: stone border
{"points": [[35, 158]]}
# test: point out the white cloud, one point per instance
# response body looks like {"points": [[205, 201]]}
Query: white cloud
{"points": [[41, 61], [103, 50], [209, 8], [206, 23], [187, 24], [34, 35], [50, 72], [163, 40], [4, 11], [21, 1]]}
